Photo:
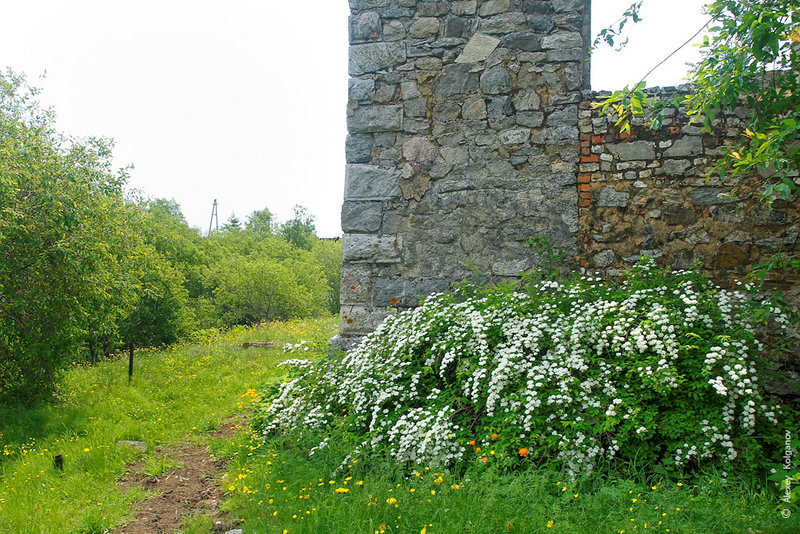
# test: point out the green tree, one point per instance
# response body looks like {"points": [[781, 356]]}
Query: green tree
{"points": [[751, 57], [64, 272], [299, 230], [260, 223]]}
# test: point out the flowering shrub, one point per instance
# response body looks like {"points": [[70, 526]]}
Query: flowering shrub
{"points": [[658, 364]]}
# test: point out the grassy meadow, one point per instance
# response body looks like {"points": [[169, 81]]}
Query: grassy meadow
{"points": [[180, 394]]}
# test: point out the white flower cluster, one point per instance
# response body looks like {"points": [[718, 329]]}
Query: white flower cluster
{"points": [[303, 346], [572, 370]]}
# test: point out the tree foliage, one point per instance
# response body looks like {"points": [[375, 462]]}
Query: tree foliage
{"points": [[751, 58], [86, 268]]}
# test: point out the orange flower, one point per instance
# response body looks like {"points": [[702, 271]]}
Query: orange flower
{"points": [[485, 459], [494, 436], [472, 442], [523, 452]]}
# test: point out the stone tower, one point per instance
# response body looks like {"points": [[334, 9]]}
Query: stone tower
{"points": [[463, 141]]}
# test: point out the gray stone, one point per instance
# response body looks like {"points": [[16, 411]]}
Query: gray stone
{"points": [[541, 24], [371, 119], [431, 9], [517, 136], [406, 293], [652, 253], [140, 446], [526, 40], [566, 116], [526, 100], [369, 182], [373, 57], [610, 197], [563, 133], [562, 40], [424, 27], [365, 27], [693, 235], [358, 148], [420, 153], [363, 5], [479, 47], [360, 89], [673, 167], [559, 6], [706, 196], [234, 531], [394, 30], [363, 248], [457, 27], [362, 217], [685, 146], [456, 79], [636, 150], [464, 8], [500, 113], [603, 259], [496, 80], [531, 119], [493, 7], [474, 108], [503, 23]]}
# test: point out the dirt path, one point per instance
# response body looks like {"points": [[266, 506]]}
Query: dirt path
{"points": [[189, 490]]}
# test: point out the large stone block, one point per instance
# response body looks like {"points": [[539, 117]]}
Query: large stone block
{"points": [[373, 57], [705, 196], [636, 150], [365, 27], [369, 182], [685, 146], [562, 40], [455, 80], [370, 119], [370, 248], [362, 217], [610, 197], [406, 293], [479, 47], [424, 27], [529, 41], [358, 148], [496, 80]]}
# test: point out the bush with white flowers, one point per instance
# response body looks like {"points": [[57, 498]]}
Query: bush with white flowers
{"points": [[659, 365]]}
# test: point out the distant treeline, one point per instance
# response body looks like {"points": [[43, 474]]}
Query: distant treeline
{"points": [[86, 269]]}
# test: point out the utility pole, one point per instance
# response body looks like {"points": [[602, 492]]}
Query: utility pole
{"points": [[214, 216]]}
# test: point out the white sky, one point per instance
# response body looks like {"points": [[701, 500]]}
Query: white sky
{"points": [[242, 100]]}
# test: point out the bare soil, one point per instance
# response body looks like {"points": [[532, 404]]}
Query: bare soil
{"points": [[190, 490]]}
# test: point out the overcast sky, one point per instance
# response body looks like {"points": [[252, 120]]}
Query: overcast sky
{"points": [[243, 101]]}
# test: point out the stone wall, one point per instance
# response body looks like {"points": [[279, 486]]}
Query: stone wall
{"points": [[656, 193], [463, 141]]}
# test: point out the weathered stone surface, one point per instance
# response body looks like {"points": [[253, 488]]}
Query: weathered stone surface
{"points": [[474, 108], [730, 256], [368, 4], [365, 27], [679, 215], [393, 30], [610, 197], [493, 7], [361, 248], [704, 196], [464, 8], [496, 80], [457, 27], [457, 79], [358, 148], [673, 167], [529, 41], [406, 293], [376, 119], [526, 100], [370, 182], [636, 150], [479, 47], [531, 119], [565, 116], [503, 23], [362, 217], [562, 40], [360, 89], [541, 24], [685, 146], [603, 259], [424, 27], [420, 153], [694, 235], [517, 136], [373, 57], [560, 6]]}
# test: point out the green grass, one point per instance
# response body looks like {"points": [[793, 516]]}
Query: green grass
{"points": [[277, 488], [177, 394], [182, 393]]}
